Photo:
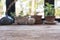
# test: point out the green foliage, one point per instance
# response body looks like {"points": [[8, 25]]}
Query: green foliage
{"points": [[13, 14], [49, 10], [28, 14], [21, 14]]}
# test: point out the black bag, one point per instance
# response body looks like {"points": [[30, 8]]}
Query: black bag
{"points": [[6, 20]]}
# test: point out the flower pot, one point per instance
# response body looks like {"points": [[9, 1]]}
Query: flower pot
{"points": [[38, 19], [21, 20], [50, 20]]}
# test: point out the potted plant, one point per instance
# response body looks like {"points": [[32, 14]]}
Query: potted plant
{"points": [[38, 18], [49, 13], [21, 19]]}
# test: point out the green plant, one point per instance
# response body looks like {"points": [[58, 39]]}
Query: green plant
{"points": [[49, 10], [28, 14], [21, 14], [13, 14]]}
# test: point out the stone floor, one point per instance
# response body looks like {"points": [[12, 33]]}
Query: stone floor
{"points": [[30, 32]]}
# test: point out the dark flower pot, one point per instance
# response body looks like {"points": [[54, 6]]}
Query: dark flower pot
{"points": [[38, 19], [50, 20]]}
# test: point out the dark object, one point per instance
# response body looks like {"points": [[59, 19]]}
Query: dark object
{"points": [[49, 1], [6, 20], [50, 20], [12, 8]]}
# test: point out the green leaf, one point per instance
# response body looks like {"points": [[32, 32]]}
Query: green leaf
{"points": [[49, 10]]}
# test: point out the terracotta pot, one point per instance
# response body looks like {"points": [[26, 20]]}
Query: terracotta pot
{"points": [[38, 19], [50, 18], [21, 20]]}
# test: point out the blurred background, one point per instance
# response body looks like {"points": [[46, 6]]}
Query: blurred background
{"points": [[30, 7]]}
